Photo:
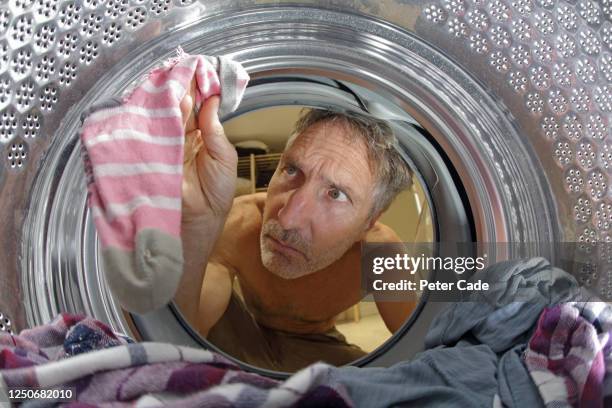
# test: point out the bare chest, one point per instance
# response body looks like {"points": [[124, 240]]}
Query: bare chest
{"points": [[313, 300]]}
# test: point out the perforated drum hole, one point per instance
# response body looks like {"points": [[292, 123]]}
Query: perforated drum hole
{"points": [[159, 7], [116, 8], [458, 27], [563, 75], [605, 66], [48, 97], [566, 45], [67, 44], [69, 15], [572, 126], [44, 38], [583, 209], [435, 14], [479, 43], [540, 77], [597, 184], [544, 22], [21, 29], [45, 9], [574, 180], [500, 37], [5, 324], [590, 11], [586, 71], [521, 29], [88, 52], [550, 127], [478, 19], [567, 17], [111, 34], [21, 5], [5, 20], [557, 102], [136, 17], [31, 123], [499, 61], [543, 51], [45, 69], [21, 63], [91, 24], [603, 216], [580, 99], [562, 152], [586, 154], [603, 97], [17, 155], [6, 91], [67, 73], [524, 7], [8, 125], [534, 103], [4, 56], [597, 127], [499, 10], [517, 81], [93, 4], [25, 95], [605, 155], [520, 55]]}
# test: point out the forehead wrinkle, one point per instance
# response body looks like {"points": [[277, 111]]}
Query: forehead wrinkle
{"points": [[319, 144]]}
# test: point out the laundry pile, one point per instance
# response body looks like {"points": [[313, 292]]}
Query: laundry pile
{"points": [[535, 338], [106, 369], [570, 354], [552, 347]]}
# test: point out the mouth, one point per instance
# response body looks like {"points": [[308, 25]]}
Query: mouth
{"points": [[281, 247]]}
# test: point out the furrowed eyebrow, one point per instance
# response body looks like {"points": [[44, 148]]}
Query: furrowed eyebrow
{"points": [[347, 190], [289, 160]]}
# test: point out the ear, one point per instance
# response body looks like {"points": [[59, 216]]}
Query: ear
{"points": [[371, 223]]}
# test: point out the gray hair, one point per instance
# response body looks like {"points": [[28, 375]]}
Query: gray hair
{"points": [[391, 171]]}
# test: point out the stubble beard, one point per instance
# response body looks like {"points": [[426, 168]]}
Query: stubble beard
{"points": [[294, 266]]}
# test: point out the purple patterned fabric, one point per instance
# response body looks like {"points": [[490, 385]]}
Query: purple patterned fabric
{"points": [[570, 355], [109, 370]]}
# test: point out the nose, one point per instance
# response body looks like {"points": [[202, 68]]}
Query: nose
{"points": [[297, 210]]}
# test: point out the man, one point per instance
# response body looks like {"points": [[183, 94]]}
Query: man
{"points": [[295, 250]]}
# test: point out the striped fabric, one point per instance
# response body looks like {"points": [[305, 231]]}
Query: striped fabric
{"points": [[106, 369], [569, 357], [133, 154]]}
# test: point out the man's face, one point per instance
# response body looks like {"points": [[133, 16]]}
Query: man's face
{"points": [[318, 203]]}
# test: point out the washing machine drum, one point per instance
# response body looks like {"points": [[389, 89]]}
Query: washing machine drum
{"points": [[502, 108]]}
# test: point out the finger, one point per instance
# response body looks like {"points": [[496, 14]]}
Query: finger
{"points": [[212, 131], [193, 144], [186, 107]]}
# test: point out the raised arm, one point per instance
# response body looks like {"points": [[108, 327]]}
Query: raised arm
{"points": [[209, 182], [394, 313]]}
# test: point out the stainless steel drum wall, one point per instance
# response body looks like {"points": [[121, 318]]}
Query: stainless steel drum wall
{"points": [[532, 152]]}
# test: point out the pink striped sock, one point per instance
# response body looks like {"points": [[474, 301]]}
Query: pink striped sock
{"points": [[133, 155]]}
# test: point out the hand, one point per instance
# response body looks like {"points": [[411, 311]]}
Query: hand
{"points": [[210, 161]]}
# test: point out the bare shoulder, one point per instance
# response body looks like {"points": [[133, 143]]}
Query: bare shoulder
{"points": [[246, 212], [382, 233], [241, 229]]}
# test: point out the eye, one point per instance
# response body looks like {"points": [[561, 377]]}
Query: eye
{"points": [[290, 169], [337, 195]]}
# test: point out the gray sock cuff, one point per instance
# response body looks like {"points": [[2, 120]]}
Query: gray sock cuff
{"points": [[147, 278]]}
